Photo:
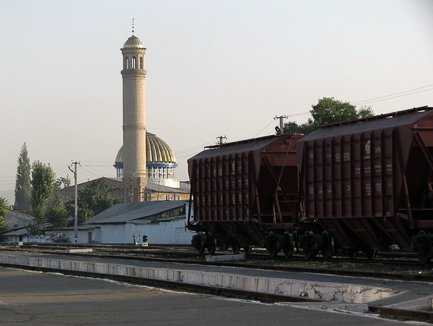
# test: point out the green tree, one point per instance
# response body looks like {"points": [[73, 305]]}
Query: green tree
{"points": [[328, 111], [95, 198], [4, 207], [57, 214], [43, 185], [23, 187], [63, 182]]}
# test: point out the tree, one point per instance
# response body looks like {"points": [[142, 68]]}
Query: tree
{"points": [[43, 185], [4, 207], [23, 187], [63, 182], [95, 198], [328, 111], [57, 214]]}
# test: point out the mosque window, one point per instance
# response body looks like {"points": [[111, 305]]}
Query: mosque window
{"points": [[141, 62], [126, 63], [134, 63]]}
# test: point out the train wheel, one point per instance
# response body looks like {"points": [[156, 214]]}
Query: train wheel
{"points": [[327, 245], [309, 244], [371, 253], [287, 245], [351, 253], [211, 246], [273, 251], [310, 253], [288, 253], [247, 249], [197, 243], [424, 259], [424, 247], [271, 244], [235, 248]]}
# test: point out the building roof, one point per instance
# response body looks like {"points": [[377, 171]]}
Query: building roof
{"points": [[116, 183], [158, 153], [133, 43], [122, 213], [184, 188], [15, 233], [16, 219]]}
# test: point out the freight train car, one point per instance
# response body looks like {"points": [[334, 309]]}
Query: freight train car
{"points": [[369, 184], [245, 193]]}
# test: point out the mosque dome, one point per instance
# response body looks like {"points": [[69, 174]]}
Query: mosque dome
{"points": [[133, 43], [158, 155]]}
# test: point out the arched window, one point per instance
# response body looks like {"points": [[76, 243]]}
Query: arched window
{"points": [[126, 63], [141, 62], [134, 63]]}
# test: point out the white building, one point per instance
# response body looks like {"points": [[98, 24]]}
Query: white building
{"points": [[162, 222]]}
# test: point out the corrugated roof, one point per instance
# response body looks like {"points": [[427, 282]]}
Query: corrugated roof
{"points": [[16, 219], [163, 219], [398, 119], [15, 233], [122, 213]]}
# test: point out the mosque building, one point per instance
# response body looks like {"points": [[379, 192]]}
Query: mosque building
{"points": [[145, 164], [151, 203]]}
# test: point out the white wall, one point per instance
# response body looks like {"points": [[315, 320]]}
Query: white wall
{"points": [[170, 232], [82, 235]]}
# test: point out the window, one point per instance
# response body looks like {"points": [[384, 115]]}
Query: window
{"points": [[134, 63]]}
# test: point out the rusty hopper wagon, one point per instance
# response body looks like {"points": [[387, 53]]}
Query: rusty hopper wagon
{"points": [[367, 184], [245, 193]]}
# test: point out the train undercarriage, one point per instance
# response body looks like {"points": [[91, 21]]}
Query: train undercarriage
{"points": [[308, 243]]}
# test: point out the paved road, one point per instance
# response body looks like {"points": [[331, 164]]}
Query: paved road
{"points": [[32, 298]]}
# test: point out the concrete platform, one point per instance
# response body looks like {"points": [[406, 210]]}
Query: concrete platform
{"points": [[40, 299], [306, 286]]}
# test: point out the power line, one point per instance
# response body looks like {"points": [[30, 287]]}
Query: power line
{"points": [[395, 95], [88, 171], [190, 149], [261, 130], [97, 165]]}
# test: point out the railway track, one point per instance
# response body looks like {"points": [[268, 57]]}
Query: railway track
{"points": [[394, 267]]}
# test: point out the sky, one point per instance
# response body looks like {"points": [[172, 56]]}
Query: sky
{"points": [[214, 68]]}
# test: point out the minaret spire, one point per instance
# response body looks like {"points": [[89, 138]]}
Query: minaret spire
{"points": [[133, 26]]}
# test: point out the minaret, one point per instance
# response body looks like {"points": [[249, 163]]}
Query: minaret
{"points": [[134, 120]]}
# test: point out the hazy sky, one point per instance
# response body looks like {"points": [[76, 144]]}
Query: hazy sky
{"points": [[215, 67]]}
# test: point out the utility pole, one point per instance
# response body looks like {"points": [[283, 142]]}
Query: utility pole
{"points": [[220, 140], [75, 198], [281, 118]]}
